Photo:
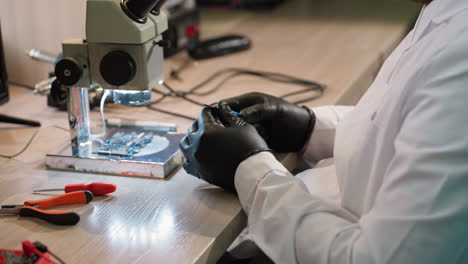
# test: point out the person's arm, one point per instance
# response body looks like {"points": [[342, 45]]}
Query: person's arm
{"points": [[421, 206], [420, 213], [321, 142]]}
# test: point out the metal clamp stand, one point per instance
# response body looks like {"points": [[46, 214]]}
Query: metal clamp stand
{"points": [[81, 154], [78, 119], [128, 61]]}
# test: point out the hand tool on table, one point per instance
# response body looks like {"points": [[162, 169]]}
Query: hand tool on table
{"points": [[97, 188], [36, 253], [34, 208]]}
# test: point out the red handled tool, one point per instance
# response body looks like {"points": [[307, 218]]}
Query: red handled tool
{"points": [[34, 208], [35, 252], [97, 188]]}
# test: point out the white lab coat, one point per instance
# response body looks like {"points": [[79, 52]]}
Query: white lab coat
{"points": [[401, 158]]}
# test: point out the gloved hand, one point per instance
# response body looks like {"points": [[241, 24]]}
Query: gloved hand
{"points": [[217, 143], [286, 127]]}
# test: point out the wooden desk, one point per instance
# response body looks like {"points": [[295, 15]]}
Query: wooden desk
{"points": [[182, 219]]}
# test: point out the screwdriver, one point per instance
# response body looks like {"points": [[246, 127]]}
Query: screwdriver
{"points": [[97, 188]]}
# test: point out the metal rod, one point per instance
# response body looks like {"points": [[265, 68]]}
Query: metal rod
{"points": [[78, 118], [42, 56], [48, 190]]}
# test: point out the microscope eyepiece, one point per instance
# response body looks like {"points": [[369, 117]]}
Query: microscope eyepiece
{"points": [[157, 7], [138, 9]]}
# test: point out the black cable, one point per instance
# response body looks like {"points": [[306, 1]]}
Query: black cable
{"points": [[276, 77], [56, 257], [27, 86], [207, 81], [182, 95], [310, 86], [172, 93], [159, 99], [43, 249], [215, 88], [170, 113]]}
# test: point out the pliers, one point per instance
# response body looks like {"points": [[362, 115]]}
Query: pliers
{"points": [[33, 208]]}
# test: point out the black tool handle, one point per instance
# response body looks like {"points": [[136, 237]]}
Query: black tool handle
{"points": [[57, 218], [19, 121]]}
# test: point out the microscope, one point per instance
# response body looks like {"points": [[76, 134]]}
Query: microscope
{"points": [[122, 54]]}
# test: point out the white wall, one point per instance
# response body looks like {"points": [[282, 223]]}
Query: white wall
{"points": [[38, 24]]}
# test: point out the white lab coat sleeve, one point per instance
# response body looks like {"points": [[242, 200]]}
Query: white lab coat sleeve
{"points": [[421, 210], [284, 220], [321, 142]]}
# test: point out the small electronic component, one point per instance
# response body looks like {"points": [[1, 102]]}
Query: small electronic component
{"points": [[125, 143]]}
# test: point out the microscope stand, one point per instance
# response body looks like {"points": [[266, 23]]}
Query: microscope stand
{"points": [[156, 160], [154, 165], [123, 54]]}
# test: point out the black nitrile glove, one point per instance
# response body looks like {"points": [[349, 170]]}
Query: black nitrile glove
{"points": [[217, 143], [286, 127]]}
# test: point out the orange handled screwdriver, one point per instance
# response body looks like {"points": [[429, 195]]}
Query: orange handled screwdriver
{"points": [[97, 188], [34, 208]]}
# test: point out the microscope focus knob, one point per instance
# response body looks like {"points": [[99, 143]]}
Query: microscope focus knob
{"points": [[117, 68], [68, 71]]}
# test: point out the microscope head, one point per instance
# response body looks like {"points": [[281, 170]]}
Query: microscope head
{"points": [[123, 50]]}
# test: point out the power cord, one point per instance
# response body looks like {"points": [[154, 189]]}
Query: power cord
{"points": [[309, 86], [30, 141], [101, 112]]}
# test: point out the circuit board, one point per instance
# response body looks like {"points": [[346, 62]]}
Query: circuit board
{"points": [[125, 143]]}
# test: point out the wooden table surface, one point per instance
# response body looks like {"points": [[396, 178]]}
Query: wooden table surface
{"points": [[183, 219]]}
